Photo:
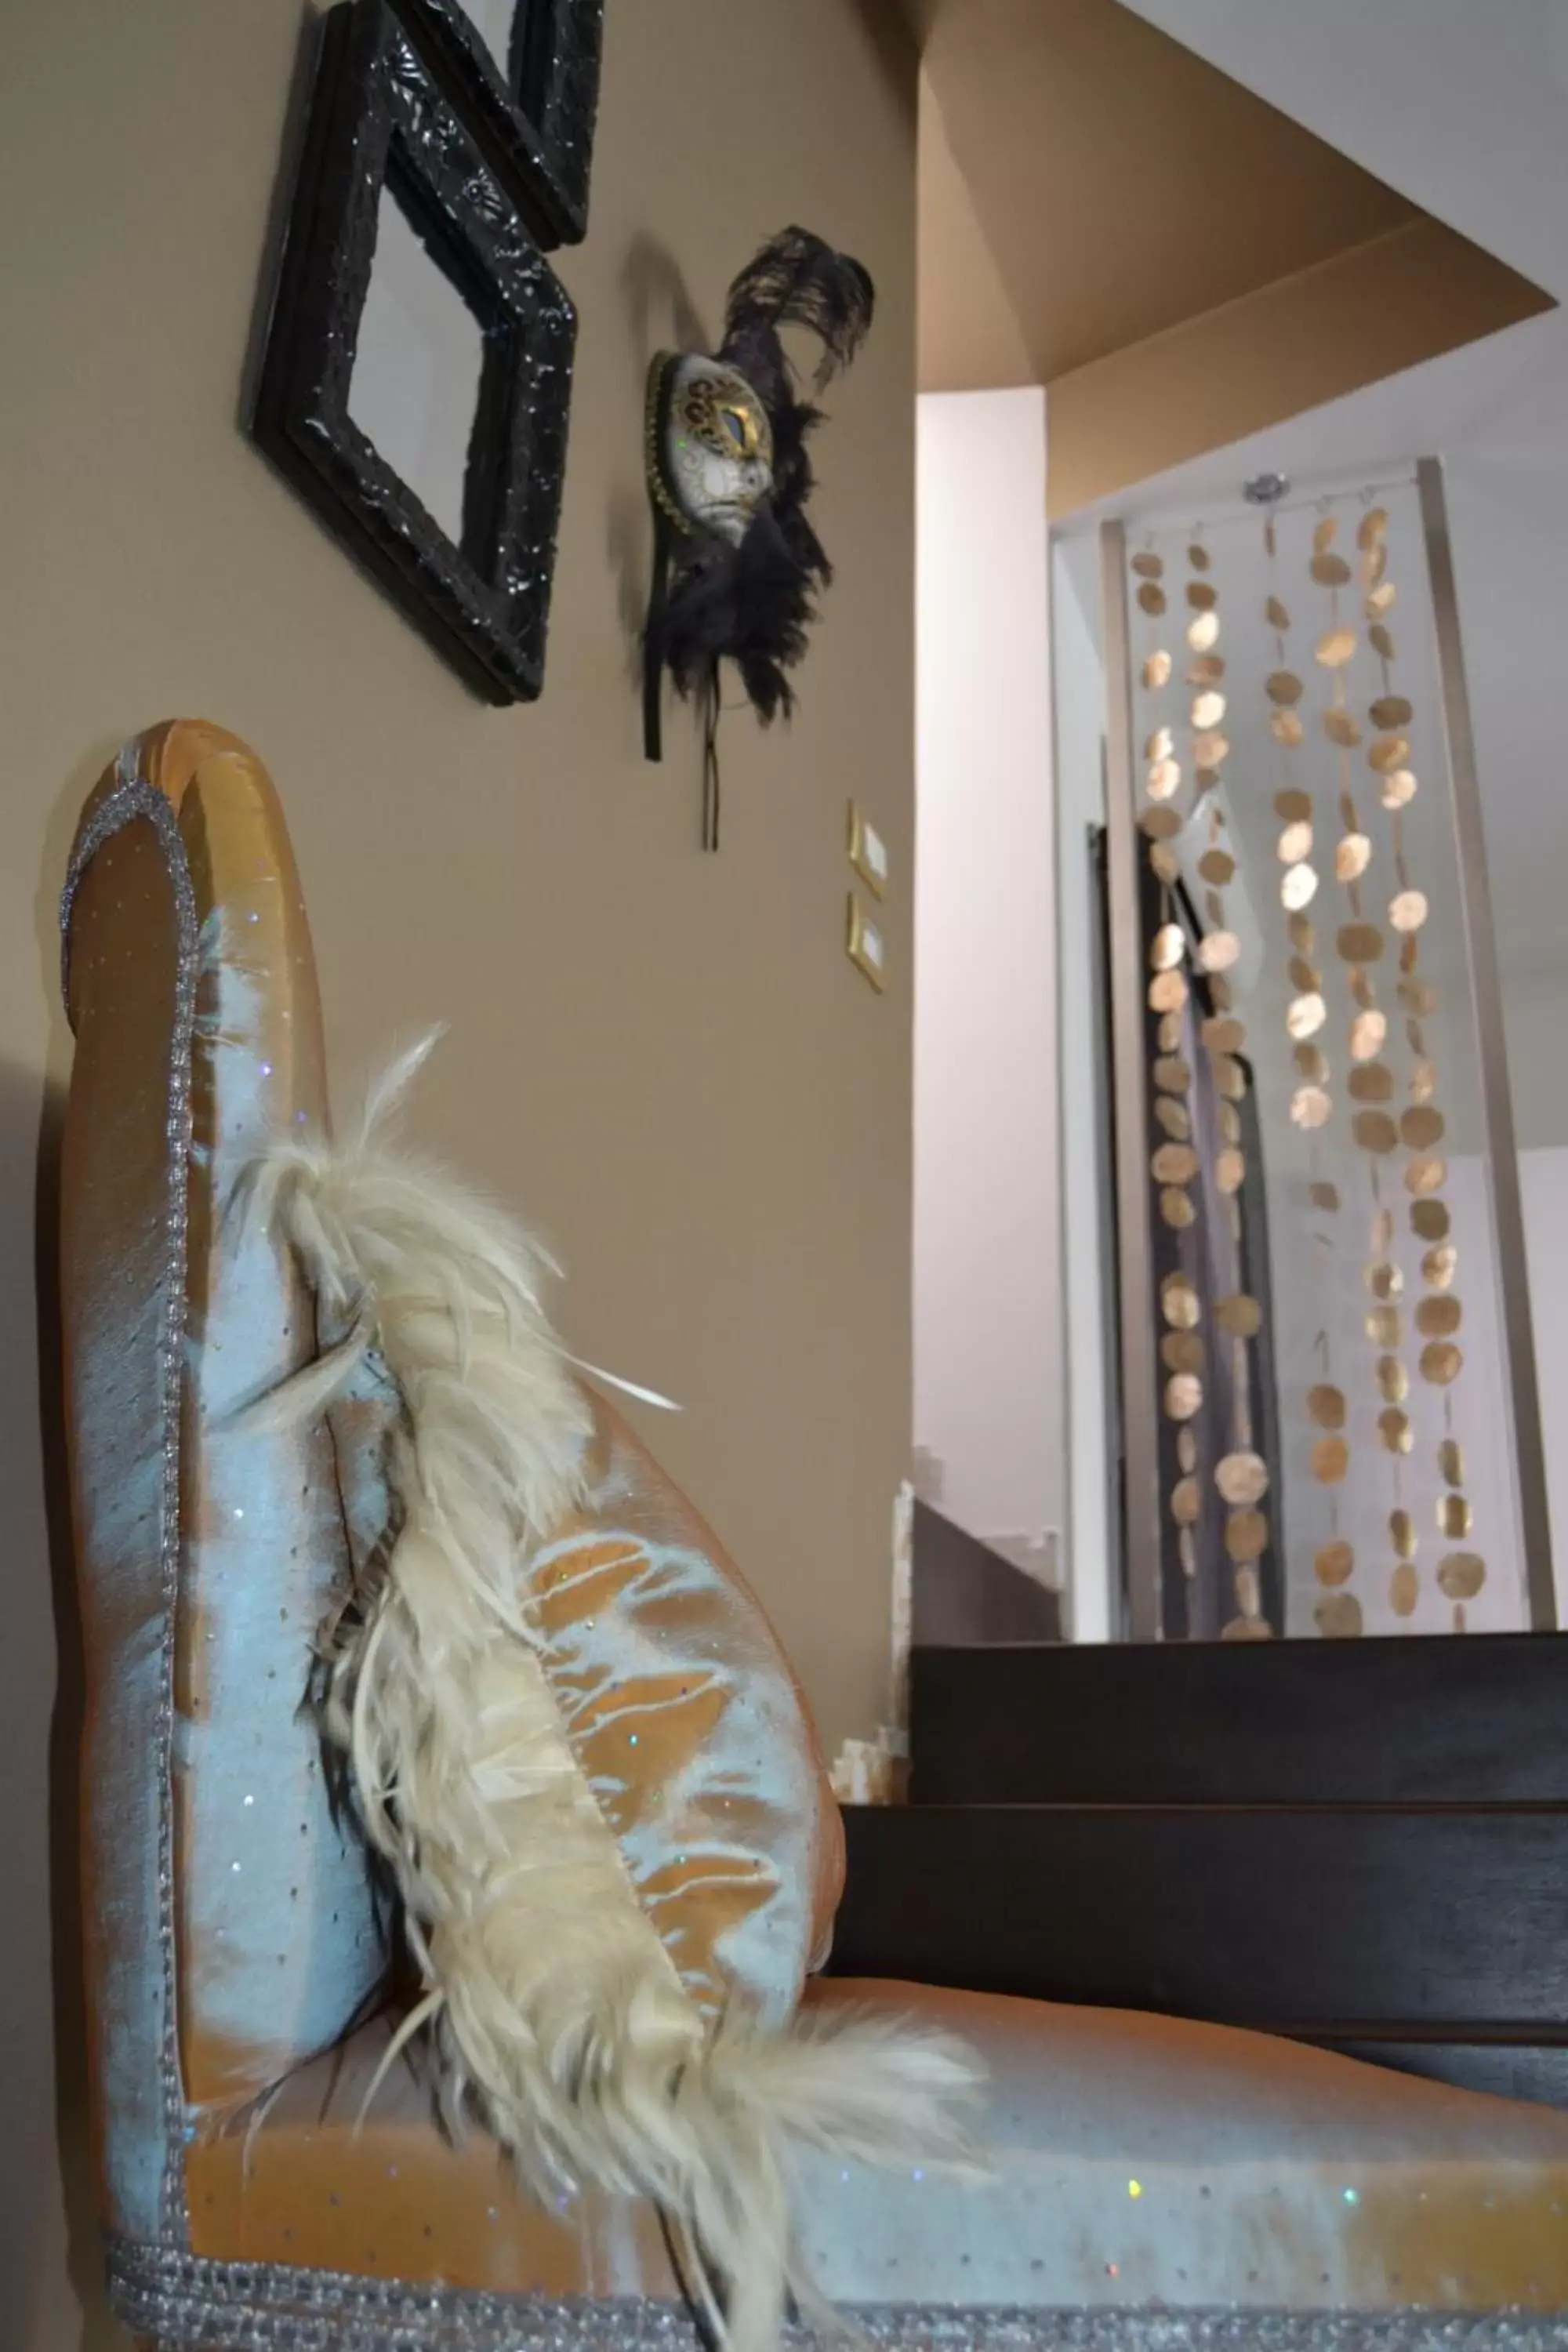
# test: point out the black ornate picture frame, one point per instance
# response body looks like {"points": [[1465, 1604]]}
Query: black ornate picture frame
{"points": [[378, 120], [536, 110]]}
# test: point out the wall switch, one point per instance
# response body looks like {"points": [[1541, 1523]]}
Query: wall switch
{"points": [[866, 946], [868, 851]]}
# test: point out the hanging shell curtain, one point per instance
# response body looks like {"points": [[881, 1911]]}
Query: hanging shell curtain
{"points": [[1218, 1500], [1304, 968]]}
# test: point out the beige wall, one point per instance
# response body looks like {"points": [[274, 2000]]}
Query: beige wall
{"points": [[1384, 306], [665, 1058], [968, 332], [1104, 212], [1123, 184]]}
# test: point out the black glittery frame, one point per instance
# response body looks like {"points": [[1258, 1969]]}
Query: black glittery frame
{"points": [[378, 114], [536, 111]]}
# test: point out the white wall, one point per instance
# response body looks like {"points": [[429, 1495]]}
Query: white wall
{"points": [[988, 1390], [1087, 1177], [1543, 1180], [1535, 1023]]}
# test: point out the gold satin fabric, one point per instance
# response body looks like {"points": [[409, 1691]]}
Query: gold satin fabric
{"points": [[688, 1721], [112, 1254], [275, 1940], [1135, 2159], [678, 1701], [399, 2199]]}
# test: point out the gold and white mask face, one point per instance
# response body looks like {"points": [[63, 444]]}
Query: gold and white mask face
{"points": [[711, 447]]}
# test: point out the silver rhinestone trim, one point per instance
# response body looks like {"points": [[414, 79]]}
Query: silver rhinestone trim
{"points": [[187, 2301], [132, 796]]}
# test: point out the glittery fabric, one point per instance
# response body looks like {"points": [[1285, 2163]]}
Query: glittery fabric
{"points": [[277, 1926], [253, 2307], [679, 1705], [230, 1929], [123, 1337], [1139, 2158], [1133, 2160], [348, 2168], [692, 1732]]}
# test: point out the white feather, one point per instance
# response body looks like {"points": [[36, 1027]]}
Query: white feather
{"points": [[561, 2014]]}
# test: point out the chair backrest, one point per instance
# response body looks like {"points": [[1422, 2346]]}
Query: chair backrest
{"points": [[231, 1929]]}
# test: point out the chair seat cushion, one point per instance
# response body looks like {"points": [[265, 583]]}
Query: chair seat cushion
{"points": [[1137, 2159], [303, 2183]]}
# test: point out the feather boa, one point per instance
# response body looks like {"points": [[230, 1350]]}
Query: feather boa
{"points": [[559, 2013]]}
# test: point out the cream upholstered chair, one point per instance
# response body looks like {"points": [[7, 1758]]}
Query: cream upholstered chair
{"points": [[241, 1966]]}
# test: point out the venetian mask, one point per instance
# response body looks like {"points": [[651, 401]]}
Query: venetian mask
{"points": [[736, 563], [710, 446]]}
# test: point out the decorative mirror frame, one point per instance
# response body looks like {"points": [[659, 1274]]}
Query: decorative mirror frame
{"points": [[376, 113], [537, 113]]}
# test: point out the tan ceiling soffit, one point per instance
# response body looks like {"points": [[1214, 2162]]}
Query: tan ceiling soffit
{"points": [[1124, 185], [1410, 295], [971, 335]]}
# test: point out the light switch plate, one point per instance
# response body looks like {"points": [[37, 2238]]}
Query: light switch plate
{"points": [[868, 851], [866, 944]]}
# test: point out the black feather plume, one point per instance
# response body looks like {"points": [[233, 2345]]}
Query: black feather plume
{"points": [[751, 605], [796, 280]]}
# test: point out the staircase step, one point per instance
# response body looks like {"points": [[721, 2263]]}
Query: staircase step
{"points": [[966, 1592], [1334, 1922], [1502, 2069], [1408, 1721]]}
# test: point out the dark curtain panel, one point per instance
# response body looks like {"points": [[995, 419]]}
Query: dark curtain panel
{"points": [[1196, 1606], [1098, 988]]}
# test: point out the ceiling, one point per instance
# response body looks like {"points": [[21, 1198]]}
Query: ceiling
{"points": [[1108, 164], [1472, 114], [1463, 107], [1103, 209], [970, 339]]}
